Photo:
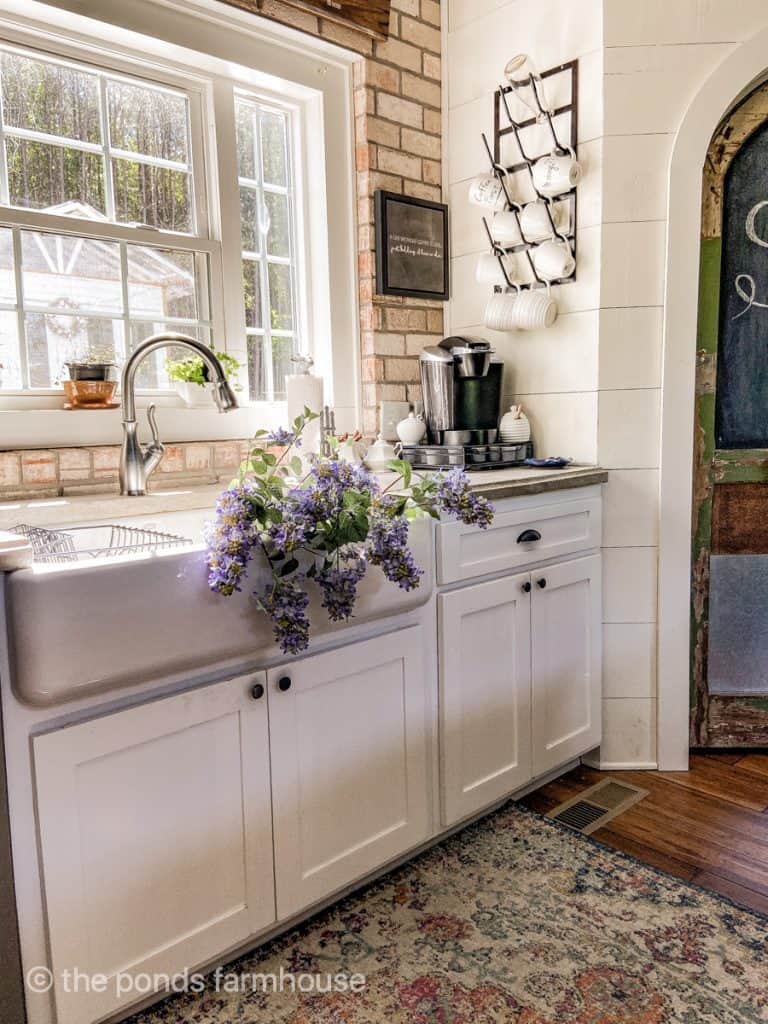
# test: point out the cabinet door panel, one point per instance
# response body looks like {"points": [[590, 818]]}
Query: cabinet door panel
{"points": [[349, 765], [485, 684], [156, 839], [566, 632]]}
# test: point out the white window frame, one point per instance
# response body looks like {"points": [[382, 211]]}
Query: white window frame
{"points": [[229, 50], [202, 241], [296, 259]]}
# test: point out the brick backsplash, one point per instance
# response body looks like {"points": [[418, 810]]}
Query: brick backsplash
{"points": [[58, 471]]}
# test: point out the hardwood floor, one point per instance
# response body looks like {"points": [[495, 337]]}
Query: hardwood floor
{"points": [[708, 825]]}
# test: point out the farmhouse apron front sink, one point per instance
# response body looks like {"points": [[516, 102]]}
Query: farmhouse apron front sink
{"points": [[97, 624]]}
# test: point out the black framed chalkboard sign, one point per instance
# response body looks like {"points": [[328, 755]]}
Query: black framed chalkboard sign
{"points": [[412, 257]]}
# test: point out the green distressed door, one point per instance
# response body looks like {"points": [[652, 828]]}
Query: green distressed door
{"points": [[729, 593]]}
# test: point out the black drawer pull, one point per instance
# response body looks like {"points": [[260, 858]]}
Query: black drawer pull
{"points": [[284, 684], [257, 691], [541, 583], [527, 587], [528, 537]]}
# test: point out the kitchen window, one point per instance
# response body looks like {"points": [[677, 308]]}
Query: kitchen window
{"points": [[105, 213], [268, 228]]}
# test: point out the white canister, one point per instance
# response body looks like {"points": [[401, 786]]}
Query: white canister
{"points": [[412, 429], [514, 426]]}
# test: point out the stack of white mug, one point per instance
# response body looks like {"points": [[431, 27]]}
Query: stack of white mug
{"points": [[532, 223]]}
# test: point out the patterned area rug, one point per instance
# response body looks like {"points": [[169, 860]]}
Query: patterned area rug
{"points": [[517, 921]]}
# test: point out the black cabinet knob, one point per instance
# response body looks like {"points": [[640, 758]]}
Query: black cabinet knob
{"points": [[257, 691], [527, 587], [528, 537], [541, 583], [284, 683]]}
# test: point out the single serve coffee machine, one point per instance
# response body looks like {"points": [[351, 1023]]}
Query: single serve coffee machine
{"points": [[462, 383]]}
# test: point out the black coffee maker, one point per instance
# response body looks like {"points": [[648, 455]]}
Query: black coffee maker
{"points": [[462, 389], [461, 385]]}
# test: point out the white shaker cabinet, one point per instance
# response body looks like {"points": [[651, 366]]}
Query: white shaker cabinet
{"points": [[156, 838], [349, 764], [485, 693], [566, 661], [520, 654]]}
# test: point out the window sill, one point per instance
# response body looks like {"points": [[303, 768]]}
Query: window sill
{"points": [[65, 428]]}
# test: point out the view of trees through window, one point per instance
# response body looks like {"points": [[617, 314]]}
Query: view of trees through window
{"points": [[267, 215], [113, 152]]}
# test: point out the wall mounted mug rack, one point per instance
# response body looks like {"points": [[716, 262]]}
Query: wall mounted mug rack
{"points": [[561, 157]]}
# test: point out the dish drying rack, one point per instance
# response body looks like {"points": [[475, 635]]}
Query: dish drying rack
{"points": [[58, 546], [505, 125]]}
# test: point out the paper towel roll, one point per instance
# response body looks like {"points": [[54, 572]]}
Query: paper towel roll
{"points": [[304, 389]]}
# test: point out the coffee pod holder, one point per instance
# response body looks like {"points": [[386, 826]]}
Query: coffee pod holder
{"points": [[506, 125]]}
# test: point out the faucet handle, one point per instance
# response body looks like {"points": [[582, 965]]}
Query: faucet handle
{"points": [[151, 417]]}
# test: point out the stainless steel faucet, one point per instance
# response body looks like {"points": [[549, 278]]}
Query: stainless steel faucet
{"points": [[137, 464]]}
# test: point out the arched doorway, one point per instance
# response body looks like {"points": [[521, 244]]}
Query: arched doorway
{"points": [[736, 76], [729, 583]]}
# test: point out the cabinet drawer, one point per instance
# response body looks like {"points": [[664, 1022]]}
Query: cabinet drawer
{"points": [[464, 552]]}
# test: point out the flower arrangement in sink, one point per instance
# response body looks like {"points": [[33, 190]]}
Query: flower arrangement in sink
{"points": [[324, 528]]}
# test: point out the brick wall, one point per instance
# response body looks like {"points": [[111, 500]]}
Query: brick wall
{"points": [[58, 471], [398, 127]]}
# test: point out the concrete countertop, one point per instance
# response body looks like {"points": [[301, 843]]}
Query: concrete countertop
{"points": [[83, 508], [511, 483]]}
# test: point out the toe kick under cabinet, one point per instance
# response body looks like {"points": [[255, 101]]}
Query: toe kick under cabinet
{"points": [[520, 652]]}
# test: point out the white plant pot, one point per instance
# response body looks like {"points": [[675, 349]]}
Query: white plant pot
{"points": [[194, 395]]}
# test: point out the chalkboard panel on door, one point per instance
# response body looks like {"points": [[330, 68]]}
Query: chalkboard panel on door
{"points": [[741, 417]]}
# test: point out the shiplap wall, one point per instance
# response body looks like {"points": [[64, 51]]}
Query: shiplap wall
{"points": [[592, 384]]}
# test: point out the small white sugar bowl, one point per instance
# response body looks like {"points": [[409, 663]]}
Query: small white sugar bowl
{"points": [[514, 426]]}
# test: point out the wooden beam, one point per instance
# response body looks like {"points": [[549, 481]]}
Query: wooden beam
{"points": [[369, 16]]}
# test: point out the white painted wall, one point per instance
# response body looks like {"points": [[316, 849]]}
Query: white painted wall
{"points": [[554, 373], [593, 383]]}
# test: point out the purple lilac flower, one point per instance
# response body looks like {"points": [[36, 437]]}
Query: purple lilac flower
{"points": [[289, 534], [387, 545], [339, 587], [231, 539], [285, 602], [455, 497], [281, 437]]}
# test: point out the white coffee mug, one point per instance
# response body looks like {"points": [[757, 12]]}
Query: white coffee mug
{"points": [[557, 173], [553, 260], [534, 310], [500, 311], [504, 227], [488, 270], [535, 222], [486, 190]]}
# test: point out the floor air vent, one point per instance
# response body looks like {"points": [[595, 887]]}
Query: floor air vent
{"points": [[597, 805]]}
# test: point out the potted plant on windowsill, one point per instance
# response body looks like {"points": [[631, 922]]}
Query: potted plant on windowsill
{"points": [[191, 377]]}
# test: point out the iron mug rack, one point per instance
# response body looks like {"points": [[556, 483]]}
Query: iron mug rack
{"points": [[503, 174]]}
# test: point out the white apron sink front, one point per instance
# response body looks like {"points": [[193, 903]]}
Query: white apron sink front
{"points": [[96, 625]]}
